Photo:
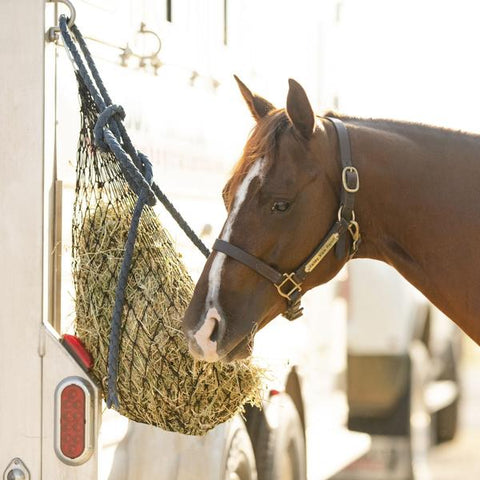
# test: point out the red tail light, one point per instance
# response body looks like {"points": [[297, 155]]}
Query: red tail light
{"points": [[74, 416], [76, 348], [72, 421]]}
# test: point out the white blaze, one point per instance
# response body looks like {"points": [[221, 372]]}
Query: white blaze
{"points": [[215, 273], [203, 334]]}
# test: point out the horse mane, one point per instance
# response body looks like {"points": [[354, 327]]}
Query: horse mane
{"points": [[262, 142], [388, 123]]}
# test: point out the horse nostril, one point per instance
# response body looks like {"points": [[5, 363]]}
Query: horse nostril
{"points": [[208, 335], [216, 328]]}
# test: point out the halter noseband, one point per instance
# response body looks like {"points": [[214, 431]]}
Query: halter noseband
{"points": [[289, 285]]}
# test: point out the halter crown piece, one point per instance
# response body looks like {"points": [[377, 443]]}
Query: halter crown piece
{"points": [[289, 285]]}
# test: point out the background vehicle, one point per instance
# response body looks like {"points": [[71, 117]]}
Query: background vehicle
{"points": [[402, 379]]}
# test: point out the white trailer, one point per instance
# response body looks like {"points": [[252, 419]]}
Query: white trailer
{"points": [[191, 123]]}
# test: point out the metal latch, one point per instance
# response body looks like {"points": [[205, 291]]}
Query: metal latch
{"points": [[52, 33], [16, 471]]}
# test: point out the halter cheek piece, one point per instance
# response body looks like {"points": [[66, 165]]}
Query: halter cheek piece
{"points": [[289, 285]]}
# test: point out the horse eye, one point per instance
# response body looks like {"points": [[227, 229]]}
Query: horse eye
{"points": [[281, 206]]}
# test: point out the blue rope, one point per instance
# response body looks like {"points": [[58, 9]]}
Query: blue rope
{"points": [[118, 126], [129, 168], [101, 87], [110, 135]]}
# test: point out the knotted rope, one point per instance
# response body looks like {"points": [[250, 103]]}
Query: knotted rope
{"points": [[110, 135]]}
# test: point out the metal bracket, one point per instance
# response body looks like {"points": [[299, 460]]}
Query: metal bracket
{"points": [[53, 32], [16, 470], [155, 61]]}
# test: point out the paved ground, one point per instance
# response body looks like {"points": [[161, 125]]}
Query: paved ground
{"points": [[460, 459]]}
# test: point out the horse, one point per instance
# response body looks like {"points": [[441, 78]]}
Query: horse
{"points": [[309, 193]]}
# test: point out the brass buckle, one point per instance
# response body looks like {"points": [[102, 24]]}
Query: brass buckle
{"points": [[354, 230], [344, 180], [288, 277]]}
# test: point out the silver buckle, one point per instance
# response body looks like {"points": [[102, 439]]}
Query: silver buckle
{"points": [[344, 180]]}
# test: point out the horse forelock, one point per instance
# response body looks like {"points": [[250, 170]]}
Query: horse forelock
{"points": [[262, 142]]}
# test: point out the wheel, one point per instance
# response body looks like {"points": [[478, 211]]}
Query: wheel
{"points": [[239, 455], [446, 419], [278, 440], [446, 422]]}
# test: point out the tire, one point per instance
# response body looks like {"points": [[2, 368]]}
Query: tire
{"points": [[446, 423], [239, 455], [278, 440], [446, 419]]}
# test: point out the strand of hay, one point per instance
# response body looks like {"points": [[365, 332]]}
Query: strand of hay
{"points": [[159, 383]]}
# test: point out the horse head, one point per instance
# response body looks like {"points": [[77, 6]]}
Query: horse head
{"points": [[282, 199]]}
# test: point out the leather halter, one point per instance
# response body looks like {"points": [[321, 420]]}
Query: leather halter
{"points": [[289, 285]]}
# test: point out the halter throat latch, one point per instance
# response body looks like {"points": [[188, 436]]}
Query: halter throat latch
{"points": [[289, 285]]}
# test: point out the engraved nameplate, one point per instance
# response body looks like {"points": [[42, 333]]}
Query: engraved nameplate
{"points": [[318, 257]]}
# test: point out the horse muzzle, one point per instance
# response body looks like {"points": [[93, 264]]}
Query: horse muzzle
{"points": [[209, 341]]}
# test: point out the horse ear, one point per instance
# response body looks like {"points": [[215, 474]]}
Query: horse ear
{"points": [[257, 105], [299, 109]]}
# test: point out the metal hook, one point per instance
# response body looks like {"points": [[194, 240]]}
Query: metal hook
{"points": [[143, 29], [53, 32]]}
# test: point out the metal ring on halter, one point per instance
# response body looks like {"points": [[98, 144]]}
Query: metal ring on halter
{"points": [[53, 32], [340, 211]]}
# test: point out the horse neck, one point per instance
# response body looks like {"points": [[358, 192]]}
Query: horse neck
{"points": [[418, 209]]}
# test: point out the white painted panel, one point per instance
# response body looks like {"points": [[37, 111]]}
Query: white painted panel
{"points": [[21, 204]]}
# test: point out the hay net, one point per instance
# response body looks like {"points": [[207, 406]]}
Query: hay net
{"points": [[158, 382]]}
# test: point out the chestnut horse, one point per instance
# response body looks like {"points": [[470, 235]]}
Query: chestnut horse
{"points": [[297, 182]]}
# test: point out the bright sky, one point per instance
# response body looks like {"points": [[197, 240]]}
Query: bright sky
{"points": [[411, 59]]}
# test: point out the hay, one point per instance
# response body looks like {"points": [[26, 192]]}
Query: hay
{"points": [[159, 383]]}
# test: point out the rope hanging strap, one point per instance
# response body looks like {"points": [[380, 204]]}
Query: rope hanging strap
{"points": [[111, 136]]}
